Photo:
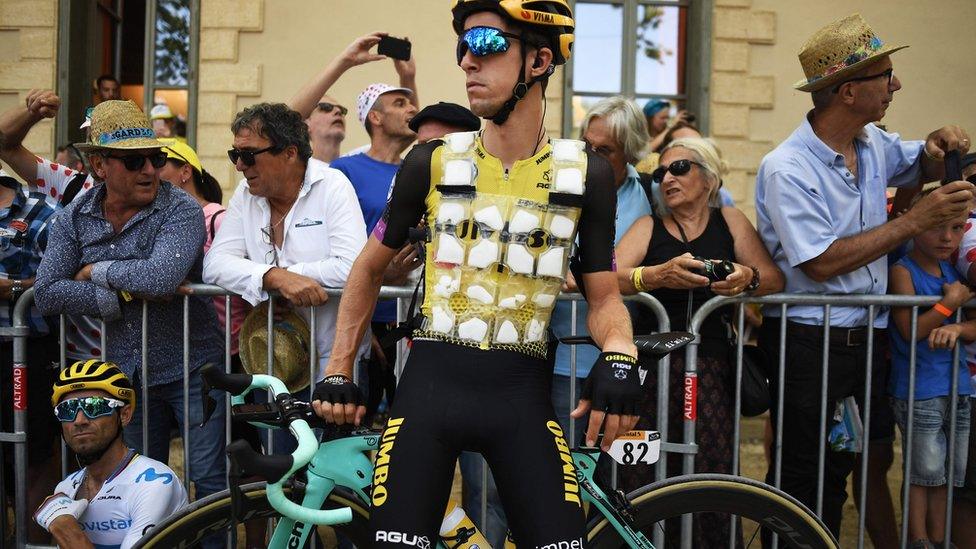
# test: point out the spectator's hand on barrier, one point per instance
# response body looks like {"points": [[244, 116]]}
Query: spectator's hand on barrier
{"points": [[184, 288], [570, 284], [6, 285], [944, 337], [43, 103], [336, 399], [59, 506], [955, 294], [735, 283], [84, 273], [377, 353], [300, 290], [358, 53], [677, 273], [942, 205], [612, 394], [945, 139], [405, 261]]}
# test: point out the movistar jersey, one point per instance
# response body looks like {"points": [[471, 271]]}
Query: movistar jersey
{"points": [[130, 502], [500, 240]]}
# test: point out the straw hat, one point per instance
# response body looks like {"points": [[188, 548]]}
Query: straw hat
{"points": [[291, 347], [119, 125], [838, 50]]}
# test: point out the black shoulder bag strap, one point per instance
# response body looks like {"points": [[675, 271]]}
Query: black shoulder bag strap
{"points": [[213, 223], [647, 183]]}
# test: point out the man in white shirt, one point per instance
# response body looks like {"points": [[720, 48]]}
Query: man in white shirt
{"points": [[293, 226]]}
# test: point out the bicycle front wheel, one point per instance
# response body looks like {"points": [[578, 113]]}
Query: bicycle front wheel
{"points": [[742, 497], [212, 515]]}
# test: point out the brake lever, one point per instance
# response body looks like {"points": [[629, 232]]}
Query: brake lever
{"points": [[234, 484]]}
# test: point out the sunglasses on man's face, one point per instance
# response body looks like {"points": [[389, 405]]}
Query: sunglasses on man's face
{"points": [[676, 168], [483, 41], [247, 157], [887, 74], [94, 407], [135, 162], [327, 107]]}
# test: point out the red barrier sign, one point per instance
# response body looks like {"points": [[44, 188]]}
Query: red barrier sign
{"points": [[20, 386], [691, 396]]}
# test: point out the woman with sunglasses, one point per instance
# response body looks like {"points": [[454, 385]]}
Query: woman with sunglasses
{"points": [[665, 254], [118, 494]]}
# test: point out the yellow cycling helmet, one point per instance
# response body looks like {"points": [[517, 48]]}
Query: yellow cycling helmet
{"points": [[554, 16], [94, 374]]}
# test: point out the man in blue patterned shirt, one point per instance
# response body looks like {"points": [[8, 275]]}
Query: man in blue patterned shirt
{"points": [[23, 237], [131, 239]]}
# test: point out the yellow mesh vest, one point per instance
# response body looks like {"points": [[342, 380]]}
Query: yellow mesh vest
{"points": [[500, 243]]}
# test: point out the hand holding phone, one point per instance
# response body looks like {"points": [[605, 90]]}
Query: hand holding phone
{"points": [[953, 167], [397, 48]]}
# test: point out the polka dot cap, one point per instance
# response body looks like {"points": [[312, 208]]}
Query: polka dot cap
{"points": [[368, 97]]}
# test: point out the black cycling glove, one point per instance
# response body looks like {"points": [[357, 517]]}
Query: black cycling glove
{"points": [[337, 389], [614, 384]]}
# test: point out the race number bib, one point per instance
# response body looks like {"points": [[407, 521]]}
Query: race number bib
{"points": [[636, 447]]}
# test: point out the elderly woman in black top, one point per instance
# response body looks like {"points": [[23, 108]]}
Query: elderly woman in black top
{"points": [[661, 254]]}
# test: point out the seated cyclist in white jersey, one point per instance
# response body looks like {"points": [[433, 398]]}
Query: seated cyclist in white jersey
{"points": [[118, 494]]}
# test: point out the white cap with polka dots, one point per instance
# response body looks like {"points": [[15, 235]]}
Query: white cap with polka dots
{"points": [[368, 97]]}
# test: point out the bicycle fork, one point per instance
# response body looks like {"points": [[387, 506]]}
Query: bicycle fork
{"points": [[615, 507]]}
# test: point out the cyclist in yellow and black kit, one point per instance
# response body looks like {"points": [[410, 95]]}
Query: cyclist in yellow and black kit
{"points": [[507, 211]]}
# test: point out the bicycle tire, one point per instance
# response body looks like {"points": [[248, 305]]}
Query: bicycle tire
{"points": [[747, 498], [212, 514]]}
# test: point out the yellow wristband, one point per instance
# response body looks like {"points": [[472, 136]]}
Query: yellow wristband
{"points": [[942, 310], [637, 278]]}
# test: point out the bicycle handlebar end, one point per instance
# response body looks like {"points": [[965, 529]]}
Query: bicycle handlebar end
{"points": [[214, 377]]}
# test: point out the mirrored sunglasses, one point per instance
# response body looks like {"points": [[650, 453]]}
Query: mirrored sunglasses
{"points": [[483, 41], [94, 407], [327, 107], [678, 167], [247, 157], [135, 162]]}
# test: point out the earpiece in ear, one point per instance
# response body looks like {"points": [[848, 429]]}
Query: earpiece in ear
{"points": [[537, 63]]}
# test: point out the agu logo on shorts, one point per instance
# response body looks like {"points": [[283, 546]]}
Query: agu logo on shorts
{"points": [[420, 542], [381, 469]]}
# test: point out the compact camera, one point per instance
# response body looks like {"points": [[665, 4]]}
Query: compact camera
{"points": [[715, 270]]}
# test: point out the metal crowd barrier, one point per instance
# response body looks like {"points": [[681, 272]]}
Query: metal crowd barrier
{"points": [[688, 447], [875, 305], [21, 330]]}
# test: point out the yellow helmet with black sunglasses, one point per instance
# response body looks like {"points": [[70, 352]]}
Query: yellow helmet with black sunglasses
{"points": [[550, 18], [553, 17], [94, 375]]}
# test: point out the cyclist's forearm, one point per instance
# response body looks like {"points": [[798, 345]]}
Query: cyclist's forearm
{"points": [[355, 311], [67, 534], [608, 320]]}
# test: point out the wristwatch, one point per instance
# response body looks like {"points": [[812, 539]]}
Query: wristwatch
{"points": [[16, 290], [754, 283]]}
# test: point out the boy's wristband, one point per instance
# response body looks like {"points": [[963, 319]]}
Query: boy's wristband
{"points": [[942, 309]]}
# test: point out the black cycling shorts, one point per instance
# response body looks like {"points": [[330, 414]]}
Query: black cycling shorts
{"points": [[497, 403]]}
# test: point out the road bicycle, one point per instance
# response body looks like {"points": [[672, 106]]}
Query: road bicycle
{"points": [[328, 483]]}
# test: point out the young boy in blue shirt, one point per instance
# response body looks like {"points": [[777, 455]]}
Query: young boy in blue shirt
{"points": [[927, 270]]}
